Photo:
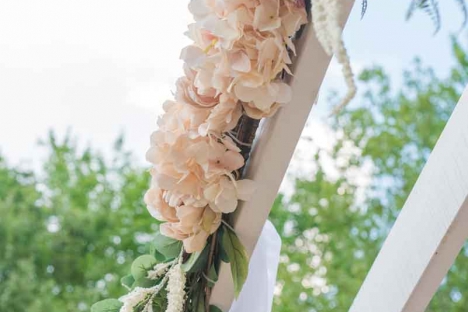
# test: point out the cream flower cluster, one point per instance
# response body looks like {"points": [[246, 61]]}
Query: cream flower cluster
{"points": [[159, 270], [326, 22], [240, 48], [176, 288], [136, 296], [174, 280]]}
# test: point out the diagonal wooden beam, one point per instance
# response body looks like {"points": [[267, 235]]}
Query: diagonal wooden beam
{"points": [[275, 144], [429, 232]]}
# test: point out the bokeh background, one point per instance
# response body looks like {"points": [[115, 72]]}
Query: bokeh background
{"points": [[81, 85]]}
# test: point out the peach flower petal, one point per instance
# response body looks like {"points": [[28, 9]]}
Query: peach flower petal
{"points": [[239, 51]]}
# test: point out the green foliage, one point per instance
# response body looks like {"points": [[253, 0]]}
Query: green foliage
{"points": [[68, 234], [212, 276], [166, 246], [144, 282], [215, 309], [363, 8], [142, 265], [431, 8], [162, 247], [127, 281], [197, 260], [107, 305], [334, 224], [237, 256], [160, 301]]}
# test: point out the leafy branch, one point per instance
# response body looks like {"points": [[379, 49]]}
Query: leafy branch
{"points": [[363, 8], [430, 7]]}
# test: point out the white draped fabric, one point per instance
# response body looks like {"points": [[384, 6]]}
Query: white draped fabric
{"points": [[258, 290]]}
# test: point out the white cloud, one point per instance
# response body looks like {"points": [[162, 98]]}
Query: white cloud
{"points": [[103, 66], [99, 67]]}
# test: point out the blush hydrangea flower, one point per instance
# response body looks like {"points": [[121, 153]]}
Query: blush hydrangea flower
{"points": [[239, 50]]}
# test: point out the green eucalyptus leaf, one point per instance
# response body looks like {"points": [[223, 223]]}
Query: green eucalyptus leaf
{"points": [[159, 256], [127, 281], [237, 257], [168, 247], [201, 302], [221, 251], [107, 305], [160, 301], [197, 298], [140, 306], [142, 265], [212, 276], [144, 282], [215, 309], [197, 260]]}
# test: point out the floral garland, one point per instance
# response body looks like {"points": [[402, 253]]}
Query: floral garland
{"points": [[234, 68], [325, 18]]}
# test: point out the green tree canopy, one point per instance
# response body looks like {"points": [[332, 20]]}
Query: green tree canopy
{"points": [[331, 233], [68, 235]]}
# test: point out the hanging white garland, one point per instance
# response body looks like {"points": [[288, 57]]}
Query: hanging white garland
{"points": [[326, 22]]}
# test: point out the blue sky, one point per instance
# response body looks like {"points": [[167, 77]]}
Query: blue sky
{"points": [[102, 67], [384, 37]]}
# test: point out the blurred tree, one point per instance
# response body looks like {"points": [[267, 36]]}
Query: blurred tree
{"points": [[332, 226], [68, 234]]}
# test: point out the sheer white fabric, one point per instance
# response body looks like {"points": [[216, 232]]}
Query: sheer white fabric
{"points": [[257, 293]]}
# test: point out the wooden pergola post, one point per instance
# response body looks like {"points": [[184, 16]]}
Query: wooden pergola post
{"points": [[275, 144], [429, 232]]}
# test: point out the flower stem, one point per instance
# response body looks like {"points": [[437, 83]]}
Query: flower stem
{"points": [[208, 267]]}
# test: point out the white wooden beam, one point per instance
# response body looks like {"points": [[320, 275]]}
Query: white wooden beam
{"points": [[275, 144], [429, 232]]}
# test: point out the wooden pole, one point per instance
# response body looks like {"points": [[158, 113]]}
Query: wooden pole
{"points": [[275, 144], [429, 232]]}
